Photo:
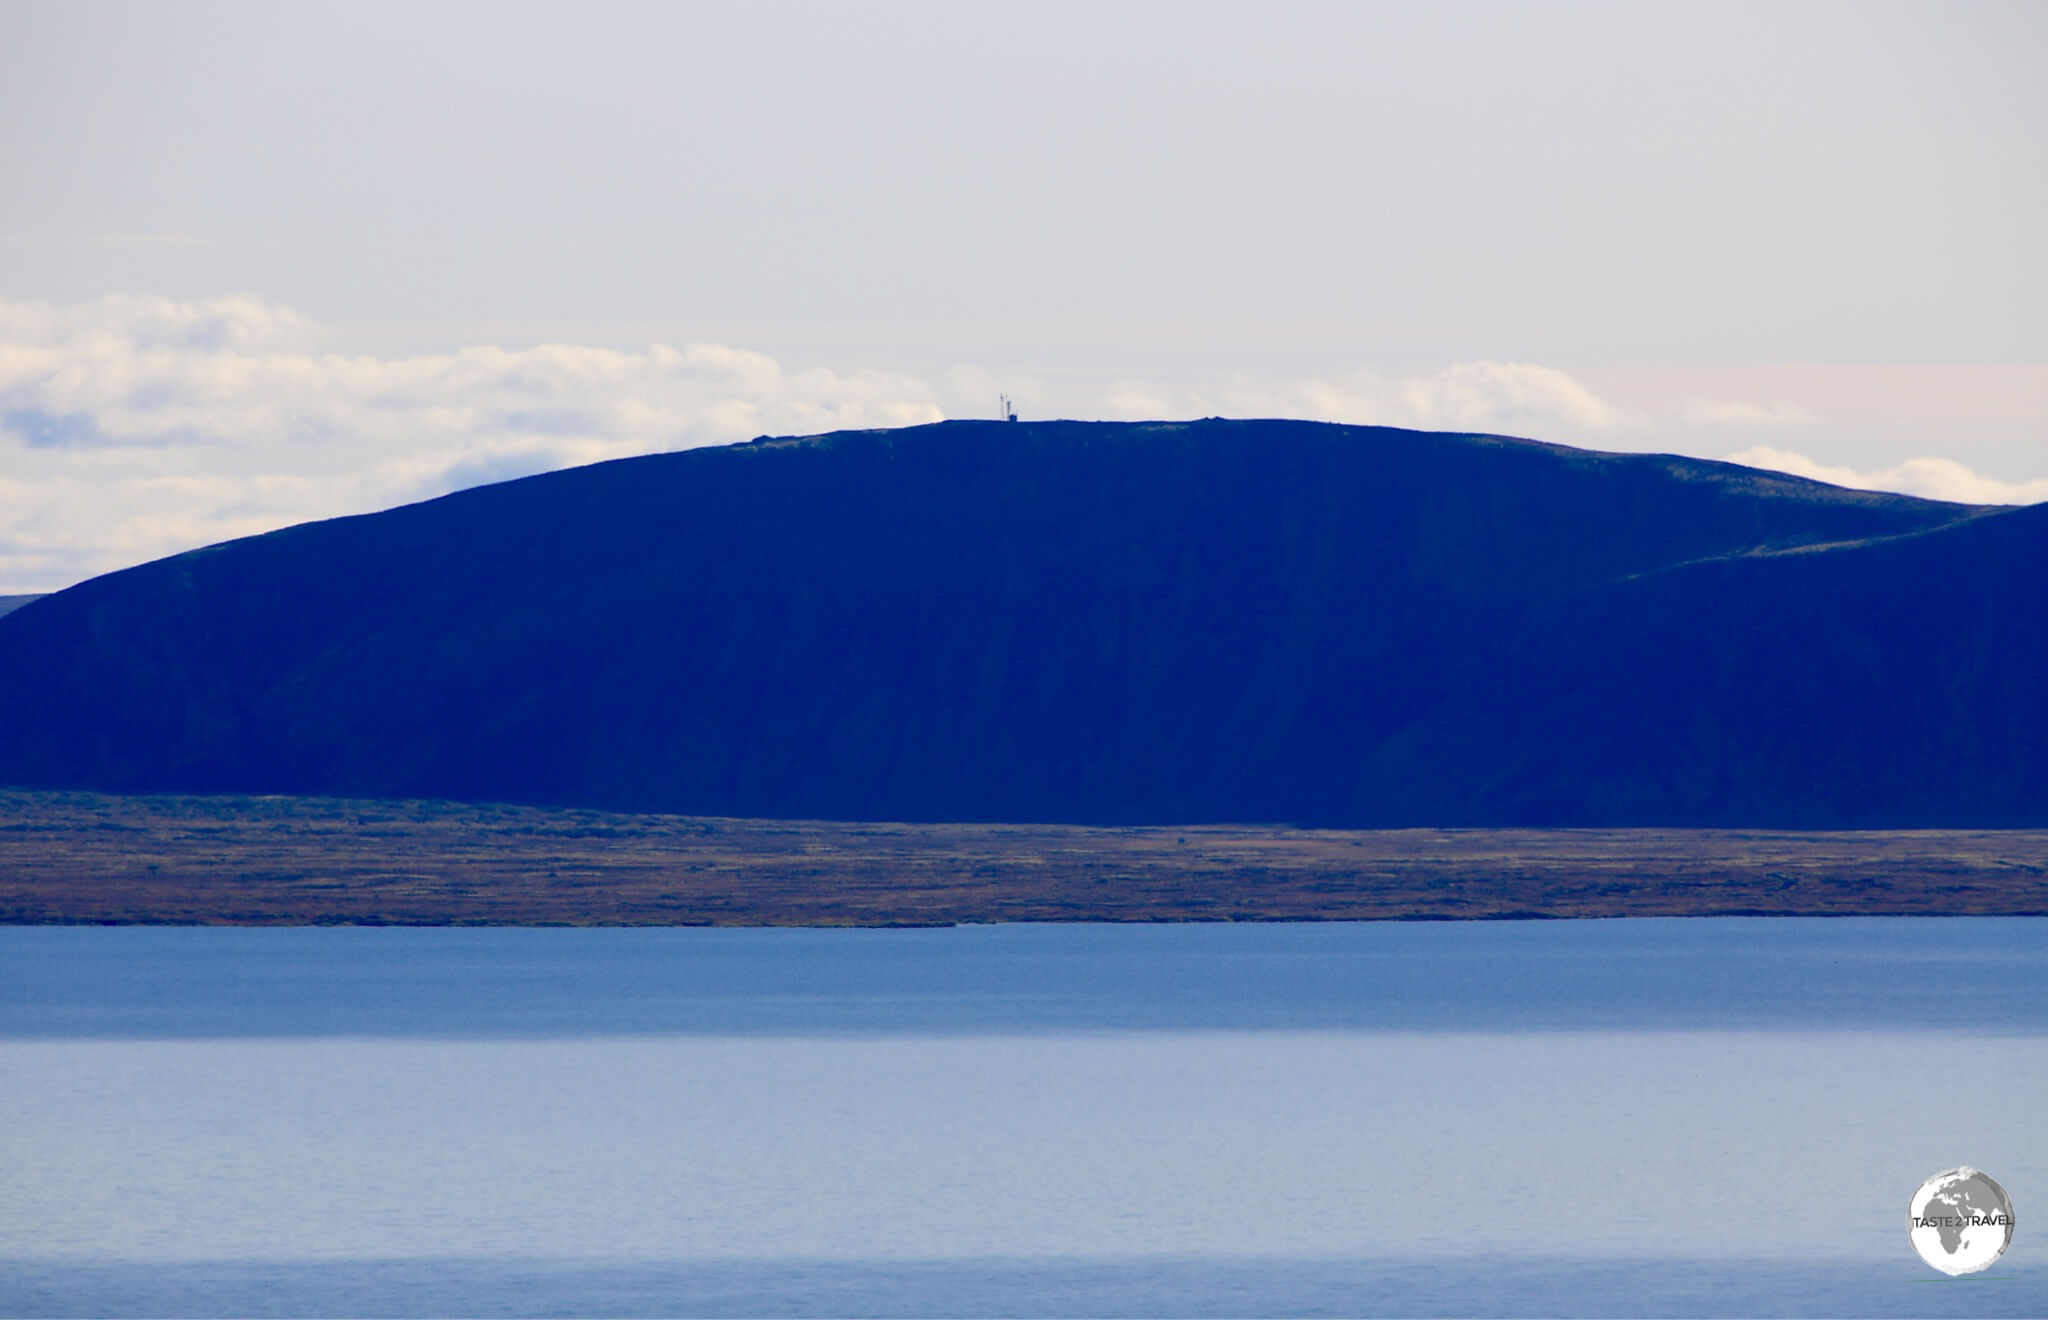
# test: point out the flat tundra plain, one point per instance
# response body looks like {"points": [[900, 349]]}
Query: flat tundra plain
{"points": [[94, 858]]}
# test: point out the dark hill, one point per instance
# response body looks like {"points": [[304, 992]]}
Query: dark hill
{"points": [[1212, 621]]}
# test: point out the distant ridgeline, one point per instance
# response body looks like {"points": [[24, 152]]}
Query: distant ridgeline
{"points": [[1090, 623]]}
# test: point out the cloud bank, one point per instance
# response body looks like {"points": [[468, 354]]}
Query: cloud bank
{"points": [[135, 427], [132, 428], [1513, 398], [1934, 478]]}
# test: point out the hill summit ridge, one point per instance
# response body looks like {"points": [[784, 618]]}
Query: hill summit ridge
{"points": [[1086, 622]]}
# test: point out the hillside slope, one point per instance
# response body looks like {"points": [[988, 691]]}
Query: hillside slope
{"points": [[1085, 622]]}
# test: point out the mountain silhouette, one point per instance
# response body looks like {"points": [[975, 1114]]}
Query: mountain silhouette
{"points": [[1252, 621]]}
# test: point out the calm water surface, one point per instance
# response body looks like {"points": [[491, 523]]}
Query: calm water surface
{"points": [[1669, 1117]]}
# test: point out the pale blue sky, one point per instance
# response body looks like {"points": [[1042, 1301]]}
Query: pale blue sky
{"points": [[1684, 212]]}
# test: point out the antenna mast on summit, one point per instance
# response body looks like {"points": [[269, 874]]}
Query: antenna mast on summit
{"points": [[1009, 408]]}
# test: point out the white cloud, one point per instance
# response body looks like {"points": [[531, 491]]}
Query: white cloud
{"points": [[132, 428], [1933, 478], [1512, 397], [136, 427]]}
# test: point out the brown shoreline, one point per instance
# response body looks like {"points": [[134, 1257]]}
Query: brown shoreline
{"points": [[83, 858]]}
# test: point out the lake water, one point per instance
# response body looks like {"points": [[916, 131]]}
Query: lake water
{"points": [[1701, 1117]]}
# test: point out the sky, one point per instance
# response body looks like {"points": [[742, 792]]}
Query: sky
{"points": [[265, 263]]}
